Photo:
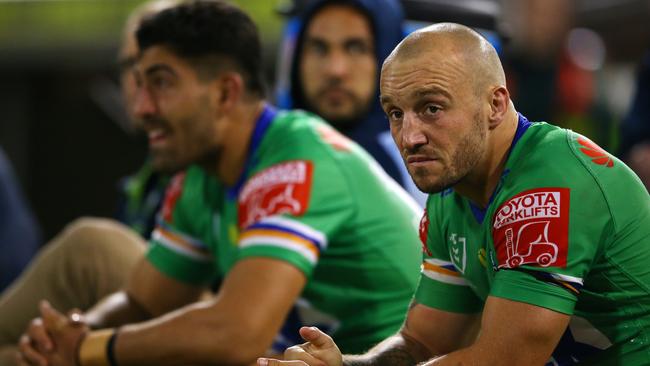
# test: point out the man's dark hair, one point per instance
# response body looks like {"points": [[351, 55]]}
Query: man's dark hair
{"points": [[199, 30]]}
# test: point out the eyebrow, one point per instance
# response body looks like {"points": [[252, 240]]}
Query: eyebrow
{"points": [[346, 40], [432, 91], [159, 67], [125, 63], [421, 93], [384, 99]]}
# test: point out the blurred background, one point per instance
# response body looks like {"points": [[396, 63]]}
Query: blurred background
{"points": [[63, 128]]}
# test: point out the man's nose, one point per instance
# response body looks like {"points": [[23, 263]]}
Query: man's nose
{"points": [[337, 64], [144, 105], [413, 135]]}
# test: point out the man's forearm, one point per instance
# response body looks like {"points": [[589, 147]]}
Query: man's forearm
{"points": [[115, 310], [397, 350], [197, 334]]}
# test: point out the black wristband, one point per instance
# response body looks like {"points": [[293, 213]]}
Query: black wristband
{"points": [[110, 349]]}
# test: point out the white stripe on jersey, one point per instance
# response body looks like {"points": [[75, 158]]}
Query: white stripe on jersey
{"points": [[266, 240], [178, 248], [299, 227]]}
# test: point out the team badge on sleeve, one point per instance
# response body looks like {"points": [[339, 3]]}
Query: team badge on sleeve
{"points": [[279, 189], [172, 195], [532, 228], [595, 152]]}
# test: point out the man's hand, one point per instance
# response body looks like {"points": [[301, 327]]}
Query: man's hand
{"points": [[52, 339], [320, 350]]}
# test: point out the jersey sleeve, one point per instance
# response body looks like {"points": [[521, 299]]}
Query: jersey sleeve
{"points": [[291, 209], [299, 198], [441, 284], [176, 248], [545, 241]]}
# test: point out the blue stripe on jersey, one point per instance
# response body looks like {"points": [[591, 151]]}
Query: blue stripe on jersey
{"points": [[262, 225]]}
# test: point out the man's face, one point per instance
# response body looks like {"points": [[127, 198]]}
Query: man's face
{"points": [[435, 120], [174, 108], [338, 68]]}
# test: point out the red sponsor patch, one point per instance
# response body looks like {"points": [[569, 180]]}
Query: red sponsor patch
{"points": [[172, 194], [334, 138], [424, 232], [533, 228], [595, 152], [281, 188]]}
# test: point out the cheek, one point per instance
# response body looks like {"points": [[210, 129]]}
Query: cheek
{"points": [[365, 72], [396, 134], [128, 93], [309, 74]]}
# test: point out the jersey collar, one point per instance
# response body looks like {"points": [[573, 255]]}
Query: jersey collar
{"points": [[261, 126], [522, 126]]}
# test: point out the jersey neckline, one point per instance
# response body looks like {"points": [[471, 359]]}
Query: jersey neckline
{"points": [[262, 124], [522, 127]]}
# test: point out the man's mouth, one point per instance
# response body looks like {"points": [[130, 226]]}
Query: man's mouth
{"points": [[419, 159], [336, 94], [156, 136]]}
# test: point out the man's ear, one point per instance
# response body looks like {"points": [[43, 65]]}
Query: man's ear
{"points": [[499, 102], [230, 89]]}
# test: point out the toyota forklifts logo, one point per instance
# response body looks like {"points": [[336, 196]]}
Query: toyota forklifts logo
{"points": [[532, 228]]}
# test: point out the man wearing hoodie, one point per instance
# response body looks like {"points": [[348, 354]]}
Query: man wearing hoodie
{"points": [[333, 52]]}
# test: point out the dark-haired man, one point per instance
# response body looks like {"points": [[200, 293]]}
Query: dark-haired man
{"points": [[298, 223], [537, 240]]}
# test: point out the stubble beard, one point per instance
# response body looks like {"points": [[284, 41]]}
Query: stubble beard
{"points": [[357, 110], [467, 155]]}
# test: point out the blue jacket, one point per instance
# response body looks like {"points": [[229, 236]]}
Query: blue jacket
{"points": [[20, 235], [371, 132]]}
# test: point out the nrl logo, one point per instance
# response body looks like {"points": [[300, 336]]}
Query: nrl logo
{"points": [[458, 251]]}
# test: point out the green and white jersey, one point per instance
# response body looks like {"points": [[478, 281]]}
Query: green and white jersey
{"points": [[568, 229], [310, 197]]}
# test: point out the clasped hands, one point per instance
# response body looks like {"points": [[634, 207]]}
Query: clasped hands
{"points": [[52, 339]]}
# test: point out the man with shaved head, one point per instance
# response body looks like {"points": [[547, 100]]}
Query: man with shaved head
{"points": [[536, 240]]}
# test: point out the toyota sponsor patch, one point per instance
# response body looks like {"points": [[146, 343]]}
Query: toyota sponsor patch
{"points": [[281, 188], [532, 228]]}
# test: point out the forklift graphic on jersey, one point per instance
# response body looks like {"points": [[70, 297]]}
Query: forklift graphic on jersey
{"points": [[531, 246]]}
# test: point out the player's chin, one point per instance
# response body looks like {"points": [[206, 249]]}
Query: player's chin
{"points": [[427, 182], [165, 164]]}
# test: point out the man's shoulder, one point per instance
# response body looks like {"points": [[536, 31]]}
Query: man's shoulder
{"points": [[297, 134], [547, 155], [553, 156]]}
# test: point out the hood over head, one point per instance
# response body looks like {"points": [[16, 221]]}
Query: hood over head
{"points": [[386, 19]]}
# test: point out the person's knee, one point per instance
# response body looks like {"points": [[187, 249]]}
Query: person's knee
{"points": [[95, 258], [88, 237]]}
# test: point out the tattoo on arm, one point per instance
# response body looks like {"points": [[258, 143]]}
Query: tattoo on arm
{"points": [[397, 355], [398, 350]]}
